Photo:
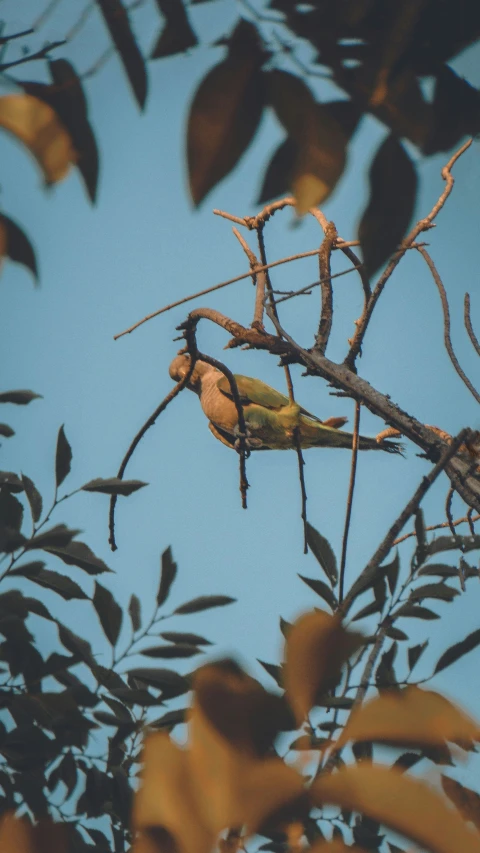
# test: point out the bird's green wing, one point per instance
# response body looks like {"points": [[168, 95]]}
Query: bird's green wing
{"points": [[255, 391]]}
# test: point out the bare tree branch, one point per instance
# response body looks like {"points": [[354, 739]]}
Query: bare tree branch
{"points": [[468, 325]]}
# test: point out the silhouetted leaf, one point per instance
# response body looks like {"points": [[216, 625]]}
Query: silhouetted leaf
{"points": [[37, 125], [134, 611], [439, 569], [421, 536], [385, 674], [15, 245], [319, 138], [374, 607], [175, 650], [168, 575], [453, 543], [162, 679], [393, 185], [407, 760], [170, 719], [466, 800], [78, 554], [11, 516], [415, 611], [10, 481], [457, 651], [75, 644], [323, 553], [57, 537], [20, 398], [273, 670], [396, 633], [58, 583], [391, 571], [113, 486], [33, 496], [176, 35], [118, 709], [185, 637], [27, 570], [322, 590], [109, 612], [225, 112], [434, 590], [279, 174], [455, 108], [204, 602], [414, 653], [63, 457], [116, 19], [6, 431]]}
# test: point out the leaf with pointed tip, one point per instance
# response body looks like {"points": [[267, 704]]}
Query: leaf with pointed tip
{"points": [[185, 637], [322, 590], [6, 431], [374, 607], [434, 590], [176, 35], [393, 185], [60, 584], [466, 800], [391, 571], [162, 679], [174, 650], [20, 398], [170, 719], [11, 482], [453, 543], [63, 457], [108, 611], [415, 611], [38, 126], [273, 670], [168, 575], [75, 644], [57, 537], [33, 496], [414, 653], [78, 554], [457, 651], [116, 19], [113, 486], [134, 610], [225, 112], [421, 536], [323, 553], [439, 569], [27, 570], [204, 602], [15, 245]]}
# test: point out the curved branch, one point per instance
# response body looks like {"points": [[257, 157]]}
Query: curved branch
{"points": [[468, 325]]}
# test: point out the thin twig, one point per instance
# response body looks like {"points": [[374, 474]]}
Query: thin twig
{"points": [[13, 36], [45, 14], [370, 663], [412, 505], [448, 510], [291, 258], [466, 519], [40, 54], [421, 225], [468, 325], [446, 323], [351, 487], [308, 287], [258, 280], [326, 313], [136, 441]]}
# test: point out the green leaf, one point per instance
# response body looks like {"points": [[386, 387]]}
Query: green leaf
{"points": [[225, 112], [15, 245], [108, 611], [63, 457], [168, 575], [457, 651], [113, 486], [322, 590], [116, 19], [78, 554], [6, 431], [323, 553], [415, 611], [176, 35], [175, 650], [204, 602], [33, 496], [453, 543], [434, 590], [185, 637], [134, 611], [57, 537], [20, 398], [384, 222], [414, 653], [60, 584]]}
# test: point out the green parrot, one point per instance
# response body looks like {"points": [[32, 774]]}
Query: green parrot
{"points": [[270, 417]]}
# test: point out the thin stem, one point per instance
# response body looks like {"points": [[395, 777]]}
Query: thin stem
{"points": [[351, 487], [468, 325]]}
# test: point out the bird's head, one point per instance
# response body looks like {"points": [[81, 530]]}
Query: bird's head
{"points": [[180, 367]]}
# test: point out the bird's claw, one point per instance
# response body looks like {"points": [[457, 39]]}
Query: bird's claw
{"points": [[242, 440]]}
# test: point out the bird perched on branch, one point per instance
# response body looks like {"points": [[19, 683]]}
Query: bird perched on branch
{"points": [[270, 417]]}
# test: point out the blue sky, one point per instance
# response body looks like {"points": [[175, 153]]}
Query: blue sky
{"points": [[144, 246]]}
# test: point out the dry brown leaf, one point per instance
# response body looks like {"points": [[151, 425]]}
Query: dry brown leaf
{"points": [[15, 835], [231, 787], [165, 799], [406, 805], [410, 717], [316, 649], [466, 800], [334, 846], [37, 125]]}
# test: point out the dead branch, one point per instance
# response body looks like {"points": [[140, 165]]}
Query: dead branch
{"points": [[466, 519], [351, 487], [468, 325], [326, 313]]}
